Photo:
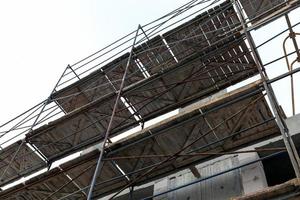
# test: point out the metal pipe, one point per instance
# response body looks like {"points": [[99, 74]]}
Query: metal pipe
{"points": [[275, 36], [120, 39], [292, 35], [195, 154], [293, 154], [292, 79], [21, 122], [119, 45], [23, 113], [283, 75], [99, 163]]}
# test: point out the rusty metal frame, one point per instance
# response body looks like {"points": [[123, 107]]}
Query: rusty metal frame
{"points": [[288, 141], [190, 153], [266, 84]]}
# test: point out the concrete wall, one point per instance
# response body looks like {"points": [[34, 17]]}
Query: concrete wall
{"points": [[293, 124], [221, 187]]}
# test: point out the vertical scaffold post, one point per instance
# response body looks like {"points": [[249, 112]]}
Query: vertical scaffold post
{"points": [[289, 144], [292, 35], [99, 161]]}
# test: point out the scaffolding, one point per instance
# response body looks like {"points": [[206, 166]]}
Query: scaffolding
{"points": [[104, 105]]}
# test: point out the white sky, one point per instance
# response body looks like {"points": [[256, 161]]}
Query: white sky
{"points": [[39, 38]]}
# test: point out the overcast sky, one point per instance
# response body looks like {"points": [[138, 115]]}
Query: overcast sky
{"points": [[39, 38]]}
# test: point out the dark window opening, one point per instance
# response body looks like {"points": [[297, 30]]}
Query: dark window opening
{"points": [[278, 169]]}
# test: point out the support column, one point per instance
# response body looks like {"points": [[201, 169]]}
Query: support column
{"points": [[106, 138]]}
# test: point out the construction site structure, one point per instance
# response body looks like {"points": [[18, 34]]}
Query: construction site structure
{"points": [[180, 108]]}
